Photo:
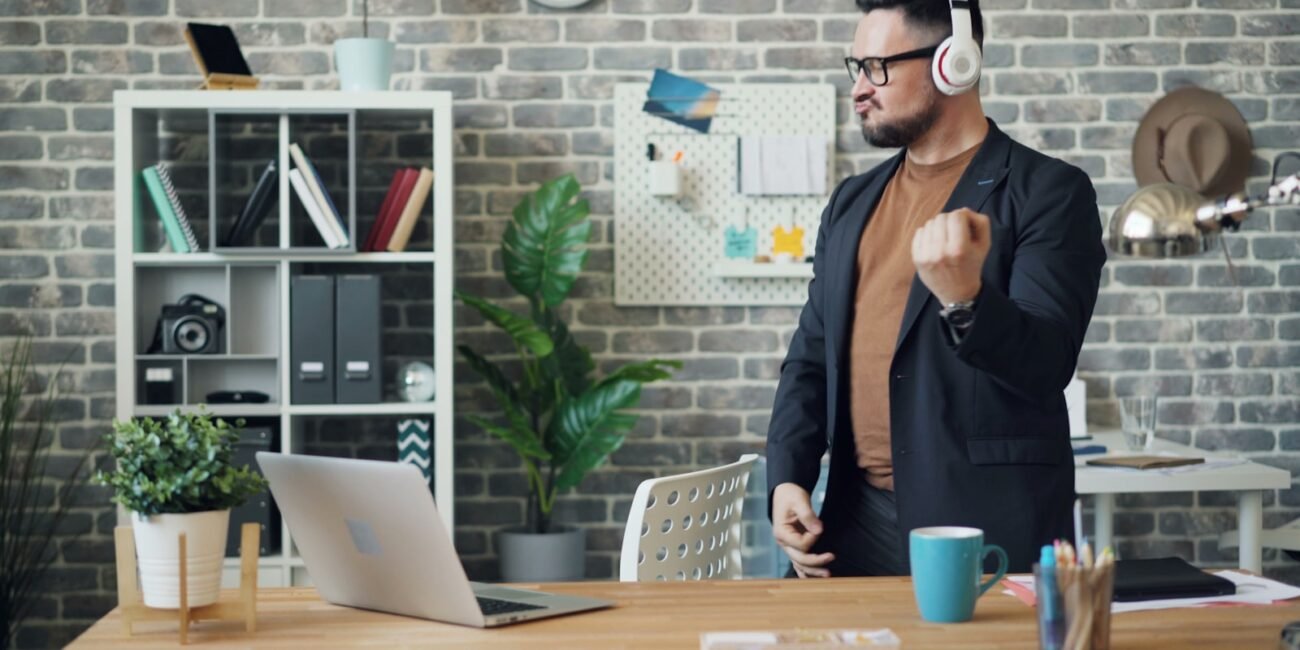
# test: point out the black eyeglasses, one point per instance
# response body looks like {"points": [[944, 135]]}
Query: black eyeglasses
{"points": [[877, 68]]}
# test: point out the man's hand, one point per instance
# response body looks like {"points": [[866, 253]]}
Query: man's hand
{"points": [[949, 251], [796, 528]]}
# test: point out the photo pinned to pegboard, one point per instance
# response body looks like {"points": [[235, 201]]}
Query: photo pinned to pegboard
{"points": [[681, 219]]}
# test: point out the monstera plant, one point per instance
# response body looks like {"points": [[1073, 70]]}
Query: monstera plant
{"points": [[561, 419]]}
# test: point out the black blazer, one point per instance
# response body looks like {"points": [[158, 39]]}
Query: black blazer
{"points": [[979, 430]]}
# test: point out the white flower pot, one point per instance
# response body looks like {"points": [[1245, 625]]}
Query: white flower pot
{"points": [[158, 556]]}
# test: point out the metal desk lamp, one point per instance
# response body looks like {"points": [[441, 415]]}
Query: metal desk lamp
{"points": [[1167, 220]]}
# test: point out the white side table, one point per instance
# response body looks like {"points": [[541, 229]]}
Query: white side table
{"points": [[1247, 479]]}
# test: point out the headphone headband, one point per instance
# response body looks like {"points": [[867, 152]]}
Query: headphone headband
{"points": [[961, 20]]}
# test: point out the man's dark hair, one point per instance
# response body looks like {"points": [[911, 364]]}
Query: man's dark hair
{"points": [[933, 15]]}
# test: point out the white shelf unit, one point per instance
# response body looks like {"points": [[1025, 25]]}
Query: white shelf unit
{"points": [[253, 283]]}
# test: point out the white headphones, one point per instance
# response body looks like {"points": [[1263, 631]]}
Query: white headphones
{"points": [[957, 62]]}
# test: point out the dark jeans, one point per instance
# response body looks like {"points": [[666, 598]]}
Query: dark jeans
{"points": [[860, 526]]}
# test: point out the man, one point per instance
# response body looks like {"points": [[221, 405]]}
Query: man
{"points": [[952, 288]]}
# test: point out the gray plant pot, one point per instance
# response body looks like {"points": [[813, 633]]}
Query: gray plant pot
{"points": [[548, 557]]}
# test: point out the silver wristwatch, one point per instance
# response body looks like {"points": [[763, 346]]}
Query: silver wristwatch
{"points": [[959, 315]]}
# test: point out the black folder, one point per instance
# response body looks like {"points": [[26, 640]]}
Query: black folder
{"points": [[256, 207], [358, 334], [311, 344], [1169, 577]]}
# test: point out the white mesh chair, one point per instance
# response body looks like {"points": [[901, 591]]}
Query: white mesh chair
{"points": [[687, 527]]}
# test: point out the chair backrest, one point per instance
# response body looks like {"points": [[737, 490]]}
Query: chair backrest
{"points": [[687, 527]]}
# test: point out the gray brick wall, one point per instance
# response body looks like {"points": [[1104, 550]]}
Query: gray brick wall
{"points": [[533, 90]]}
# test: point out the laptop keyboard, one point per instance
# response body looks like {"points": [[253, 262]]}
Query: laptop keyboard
{"points": [[492, 606]]}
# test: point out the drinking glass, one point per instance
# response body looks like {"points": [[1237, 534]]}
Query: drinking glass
{"points": [[1137, 416]]}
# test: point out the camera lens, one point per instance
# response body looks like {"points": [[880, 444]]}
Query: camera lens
{"points": [[191, 334]]}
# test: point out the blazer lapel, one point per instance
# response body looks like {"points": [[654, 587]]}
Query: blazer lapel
{"points": [[985, 173], [842, 261]]}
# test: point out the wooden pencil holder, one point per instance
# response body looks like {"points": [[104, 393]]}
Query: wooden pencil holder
{"points": [[242, 607]]}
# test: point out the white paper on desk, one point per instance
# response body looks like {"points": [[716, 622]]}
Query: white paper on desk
{"points": [[1251, 590], [783, 164]]}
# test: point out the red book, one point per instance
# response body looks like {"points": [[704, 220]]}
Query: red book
{"points": [[384, 207], [404, 187]]}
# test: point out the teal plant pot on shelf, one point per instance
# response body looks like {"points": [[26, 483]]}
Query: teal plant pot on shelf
{"points": [[363, 63]]}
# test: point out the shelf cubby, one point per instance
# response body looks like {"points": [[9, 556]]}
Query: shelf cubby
{"points": [[178, 139], [407, 333], [208, 374], [244, 143], [327, 141]]}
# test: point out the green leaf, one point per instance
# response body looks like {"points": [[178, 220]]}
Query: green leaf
{"points": [[643, 372], [589, 427], [524, 442], [570, 362], [490, 372], [545, 246], [524, 331], [505, 392]]}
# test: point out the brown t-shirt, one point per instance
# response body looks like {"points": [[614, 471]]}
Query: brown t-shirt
{"points": [[913, 196]]}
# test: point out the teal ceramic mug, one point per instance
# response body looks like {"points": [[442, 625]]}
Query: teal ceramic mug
{"points": [[947, 563]]}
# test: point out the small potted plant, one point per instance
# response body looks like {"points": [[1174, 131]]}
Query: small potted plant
{"points": [[561, 420], [364, 63], [175, 476]]}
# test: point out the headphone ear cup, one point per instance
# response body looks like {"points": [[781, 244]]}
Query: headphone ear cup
{"points": [[956, 66], [936, 67]]}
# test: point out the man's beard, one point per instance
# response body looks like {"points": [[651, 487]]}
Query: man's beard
{"points": [[903, 132]]}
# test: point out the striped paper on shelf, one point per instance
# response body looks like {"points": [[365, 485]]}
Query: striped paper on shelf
{"points": [[413, 444]]}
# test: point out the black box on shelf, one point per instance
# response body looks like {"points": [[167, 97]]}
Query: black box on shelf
{"points": [[161, 385], [311, 321], [358, 329], [258, 509]]}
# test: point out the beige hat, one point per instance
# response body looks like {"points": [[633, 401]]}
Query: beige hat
{"points": [[1195, 138]]}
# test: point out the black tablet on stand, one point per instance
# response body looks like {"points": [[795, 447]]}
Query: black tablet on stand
{"points": [[216, 52]]}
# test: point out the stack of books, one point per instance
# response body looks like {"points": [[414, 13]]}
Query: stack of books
{"points": [[400, 210], [176, 223], [310, 189]]}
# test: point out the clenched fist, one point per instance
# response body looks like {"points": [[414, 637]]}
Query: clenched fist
{"points": [[949, 251]]}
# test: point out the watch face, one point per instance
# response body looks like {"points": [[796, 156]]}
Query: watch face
{"points": [[960, 317]]}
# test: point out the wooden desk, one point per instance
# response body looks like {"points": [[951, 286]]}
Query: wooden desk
{"points": [[672, 615]]}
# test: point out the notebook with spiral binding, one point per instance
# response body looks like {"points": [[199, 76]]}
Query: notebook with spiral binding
{"points": [[166, 213], [173, 199]]}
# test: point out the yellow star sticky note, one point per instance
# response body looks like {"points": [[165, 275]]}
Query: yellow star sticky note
{"points": [[788, 242]]}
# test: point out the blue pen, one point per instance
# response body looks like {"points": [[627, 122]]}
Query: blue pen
{"points": [[1051, 613]]}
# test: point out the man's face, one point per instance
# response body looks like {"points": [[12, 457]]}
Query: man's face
{"points": [[901, 111]]}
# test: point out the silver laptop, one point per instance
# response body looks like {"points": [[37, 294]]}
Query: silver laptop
{"points": [[370, 537]]}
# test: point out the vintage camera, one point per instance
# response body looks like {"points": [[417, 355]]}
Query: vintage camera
{"points": [[193, 325]]}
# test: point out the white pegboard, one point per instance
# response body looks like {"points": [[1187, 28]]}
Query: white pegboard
{"points": [[665, 249]]}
